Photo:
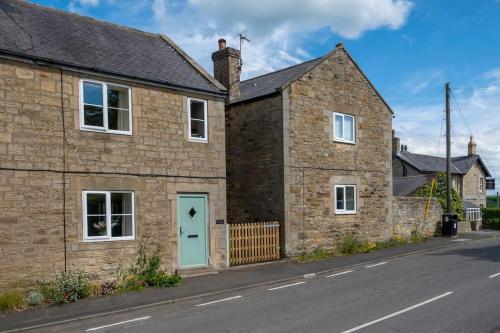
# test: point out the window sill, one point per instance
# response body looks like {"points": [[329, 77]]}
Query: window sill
{"points": [[198, 140], [114, 239], [104, 131], [343, 141], [346, 213]]}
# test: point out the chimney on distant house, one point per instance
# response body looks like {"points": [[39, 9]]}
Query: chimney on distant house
{"points": [[396, 142], [227, 68], [472, 146]]}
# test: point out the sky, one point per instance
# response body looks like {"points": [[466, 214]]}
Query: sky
{"points": [[407, 48]]}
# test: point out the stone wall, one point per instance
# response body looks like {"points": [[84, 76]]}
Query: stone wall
{"points": [[314, 162], [471, 186], [408, 215], [156, 162], [255, 160]]}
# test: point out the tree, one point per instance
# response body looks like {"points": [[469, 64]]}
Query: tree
{"points": [[439, 192]]}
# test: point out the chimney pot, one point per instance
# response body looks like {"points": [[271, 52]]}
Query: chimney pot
{"points": [[472, 147], [222, 43], [227, 68]]}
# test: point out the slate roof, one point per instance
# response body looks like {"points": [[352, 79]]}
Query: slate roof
{"points": [[427, 163], [468, 204], [66, 39], [464, 163], [404, 186], [270, 83]]}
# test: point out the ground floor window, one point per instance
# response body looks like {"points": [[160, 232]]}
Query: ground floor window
{"points": [[108, 215], [345, 199]]}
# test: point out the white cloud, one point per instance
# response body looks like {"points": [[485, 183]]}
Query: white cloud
{"points": [[348, 18], [92, 3], [277, 28], [419, 126]]}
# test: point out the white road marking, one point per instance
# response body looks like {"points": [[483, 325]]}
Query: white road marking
{"points": [[461, 240], [115, 324], [378, 264], [287, 285], [341, 273], [357, 328], [309, 276], [494, 275], [220, 300]]}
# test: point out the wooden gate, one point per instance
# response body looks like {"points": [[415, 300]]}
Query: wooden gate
{"points": [[254, 242]]}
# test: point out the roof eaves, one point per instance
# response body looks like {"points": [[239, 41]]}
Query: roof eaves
{"points": [[96, 71], [193, 63]]}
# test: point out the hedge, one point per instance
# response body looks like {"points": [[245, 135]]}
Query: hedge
{"points": [[491, 217]]}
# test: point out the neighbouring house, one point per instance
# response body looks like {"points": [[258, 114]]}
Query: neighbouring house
{"points": [[469, 173], [109, 136], [308, 146]]}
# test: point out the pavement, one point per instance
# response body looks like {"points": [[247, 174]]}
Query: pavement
{"points": [[359, 295]]}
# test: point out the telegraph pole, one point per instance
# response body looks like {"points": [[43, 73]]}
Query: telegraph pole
{"points": [[448, 149]]}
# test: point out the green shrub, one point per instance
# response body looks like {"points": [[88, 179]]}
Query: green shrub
{"points": [[317, 255], [12, 300], [66, 287], [108, 288], [491, 217], [35, 298], [350, 245], [439, 192], [146, 273]]}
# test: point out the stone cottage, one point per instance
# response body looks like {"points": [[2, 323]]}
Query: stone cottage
{"points": [[308, 146], [109, 136], [413, 171]]}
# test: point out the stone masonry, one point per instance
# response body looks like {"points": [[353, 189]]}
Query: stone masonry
{"points": [[283, 162], [408, 215], [46, 162]]}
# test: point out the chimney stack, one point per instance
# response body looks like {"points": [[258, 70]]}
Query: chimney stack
{"points": [[396, 142], [472, 147], [227, 68]]}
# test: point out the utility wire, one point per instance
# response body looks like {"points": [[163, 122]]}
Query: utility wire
{"points": [[470, 130], [424, 102], [440, 135]]}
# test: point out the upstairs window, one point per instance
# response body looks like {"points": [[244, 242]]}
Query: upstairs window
{"points": [[105, 107], [345, 199], [481, 184], [108, 215], [344, 128], [197, 120]]}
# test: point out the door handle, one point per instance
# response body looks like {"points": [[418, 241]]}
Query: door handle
{"points": [[181, 230]]}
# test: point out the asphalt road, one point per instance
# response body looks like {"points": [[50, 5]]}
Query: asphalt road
{"points": [[449, 290]]}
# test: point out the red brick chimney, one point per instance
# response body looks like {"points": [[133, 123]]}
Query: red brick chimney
{"points": [[227, 68]]}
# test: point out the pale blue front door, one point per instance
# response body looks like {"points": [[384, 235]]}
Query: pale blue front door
{"points": [[192, 217]]}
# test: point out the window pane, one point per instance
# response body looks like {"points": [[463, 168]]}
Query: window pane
{"points": [[349, 128], [96, 204], [92, 93], [118, 120], [197, 129], [93, 116], [121, 225], [340, 198], [339, 127], [121, 203], [350, 198], [197, 110], [118, 97], [96, 225]]}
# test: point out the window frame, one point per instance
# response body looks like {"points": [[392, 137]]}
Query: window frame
{"points": [[205, 114], [481, 184], [345, 211], [108, 237], [342, 139], [105, 128]]}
